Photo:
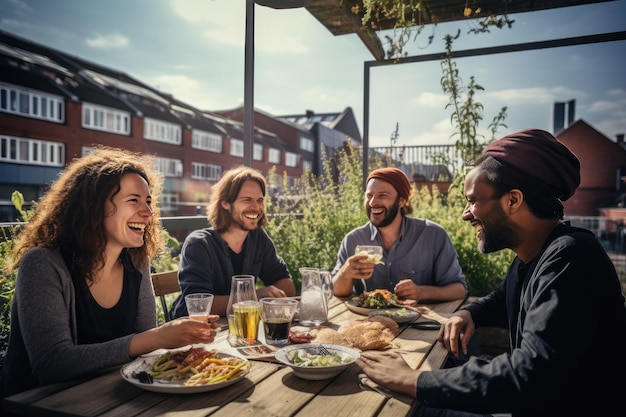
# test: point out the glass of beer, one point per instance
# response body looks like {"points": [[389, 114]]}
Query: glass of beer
{"points": [[247, 317], [277, 314]]}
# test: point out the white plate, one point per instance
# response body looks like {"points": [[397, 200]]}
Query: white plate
{"points": [[318, 372], [174, 387], [387, 312]]}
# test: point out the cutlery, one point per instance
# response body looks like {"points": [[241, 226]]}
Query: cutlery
{"points": [[364, 384]]}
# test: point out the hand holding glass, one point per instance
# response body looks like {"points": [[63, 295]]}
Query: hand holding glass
{"points": [[199, 306], [277, 314], [374, 253]]}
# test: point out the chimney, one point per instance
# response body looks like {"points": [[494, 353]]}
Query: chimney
{"points": [[309, 114], [620, 139], [563, 111]]}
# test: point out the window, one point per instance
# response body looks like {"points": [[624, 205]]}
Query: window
{"points": [[170, 167], [32, 151], [258, 152], [307, 144], [200, 171], [168, 201], [31, 104], [291, 159], [307, 165], [106, 119], [274, 156], [236, 147], [161, 131], [206, 141]]}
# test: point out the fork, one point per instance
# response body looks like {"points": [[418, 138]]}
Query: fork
{"points": [[323, 351]]}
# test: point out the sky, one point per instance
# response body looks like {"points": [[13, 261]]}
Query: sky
{"points": [[194, 49]]}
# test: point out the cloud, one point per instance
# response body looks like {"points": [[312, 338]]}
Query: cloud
{"points": [[113, 41], [537, 95]]}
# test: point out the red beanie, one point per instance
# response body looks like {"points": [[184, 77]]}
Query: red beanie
{"points": [[395, 177]]}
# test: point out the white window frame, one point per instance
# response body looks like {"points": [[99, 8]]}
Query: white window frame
{"points": [[105, 119], [307, 144], [31, 151], [307, 165], [206, 141], [274, 156], [257, 152], [31, 103], [291, 159], [236, 147], [202, 171], [169, 167], [161, 131]]}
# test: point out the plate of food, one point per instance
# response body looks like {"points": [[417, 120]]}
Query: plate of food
{"points": [[399, 315], [186, 371]]}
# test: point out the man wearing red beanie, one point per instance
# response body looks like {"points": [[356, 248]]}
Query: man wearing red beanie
{"points": [[419, 262]]}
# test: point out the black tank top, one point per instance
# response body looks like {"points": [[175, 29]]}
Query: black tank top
{"points": [[97, 324]]}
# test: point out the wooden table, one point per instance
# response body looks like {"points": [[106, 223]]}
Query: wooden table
{"points": [[269, 388]]}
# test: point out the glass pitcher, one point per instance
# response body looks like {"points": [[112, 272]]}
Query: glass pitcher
{"points": [[313, 300], [243, 310]]}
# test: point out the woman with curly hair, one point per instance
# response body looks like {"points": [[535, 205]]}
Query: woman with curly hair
{"points": [[83, 298]]}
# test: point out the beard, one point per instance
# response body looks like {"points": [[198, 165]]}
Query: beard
{"points": [[241, 224], [391, 214], [495, 234]]}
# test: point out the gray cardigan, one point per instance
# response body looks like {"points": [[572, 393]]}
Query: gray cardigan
{"points": [[43, 342]]}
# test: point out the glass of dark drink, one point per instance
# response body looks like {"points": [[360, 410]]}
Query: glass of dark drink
{"points": [[277, 314]]}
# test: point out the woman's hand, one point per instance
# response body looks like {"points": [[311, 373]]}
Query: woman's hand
{"points": [[174, 334]]}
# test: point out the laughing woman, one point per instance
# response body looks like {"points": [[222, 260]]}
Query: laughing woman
{"points": [[83, 297]]}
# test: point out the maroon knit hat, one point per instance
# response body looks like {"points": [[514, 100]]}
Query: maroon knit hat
{"points": [[540, 155], [395, 177]]}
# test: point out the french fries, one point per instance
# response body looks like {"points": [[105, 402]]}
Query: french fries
{"points": [[197, 366]]}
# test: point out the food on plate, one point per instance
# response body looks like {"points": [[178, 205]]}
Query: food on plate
{"points": [[299, 336], [396, 312], [379, 298], [370, 333], [197, 366], [302, 357], [323, 334]]}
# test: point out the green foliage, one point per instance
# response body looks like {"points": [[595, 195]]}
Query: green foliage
{"points": [[308, 222], [483, 272]]}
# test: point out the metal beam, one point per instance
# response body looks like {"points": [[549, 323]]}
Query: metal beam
{"points": [[528, 46]]}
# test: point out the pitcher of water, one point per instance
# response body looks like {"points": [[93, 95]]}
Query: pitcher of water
{"points": [[243, 310], [313, 300]]}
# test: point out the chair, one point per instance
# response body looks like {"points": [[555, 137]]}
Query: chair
{"points": [[165, 283]]}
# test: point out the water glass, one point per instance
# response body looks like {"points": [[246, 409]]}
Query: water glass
{"points": [[199, 306]]}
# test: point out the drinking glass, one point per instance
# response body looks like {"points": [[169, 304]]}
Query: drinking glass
{"points": [[199, 306], [374, 253], [277, 314], [243, 310]]}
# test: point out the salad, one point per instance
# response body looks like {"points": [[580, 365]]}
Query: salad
{"points": [[302, 357], [380, 298]]}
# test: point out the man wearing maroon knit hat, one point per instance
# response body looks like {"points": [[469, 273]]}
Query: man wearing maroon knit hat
{"points": [[561, 299], [419, 262]]}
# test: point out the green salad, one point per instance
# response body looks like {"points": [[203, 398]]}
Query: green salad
{"points": [[302, 357]]}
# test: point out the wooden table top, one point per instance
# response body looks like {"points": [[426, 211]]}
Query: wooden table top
{"points": [[269, 388]]}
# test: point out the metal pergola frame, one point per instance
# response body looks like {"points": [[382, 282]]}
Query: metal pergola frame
{"points": [[528, 46]]}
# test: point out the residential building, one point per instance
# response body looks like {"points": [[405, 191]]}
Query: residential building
{"points": [[55, 107]]}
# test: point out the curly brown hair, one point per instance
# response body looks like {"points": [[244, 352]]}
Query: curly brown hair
{"points": [[70, 215], [227, 189]]}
